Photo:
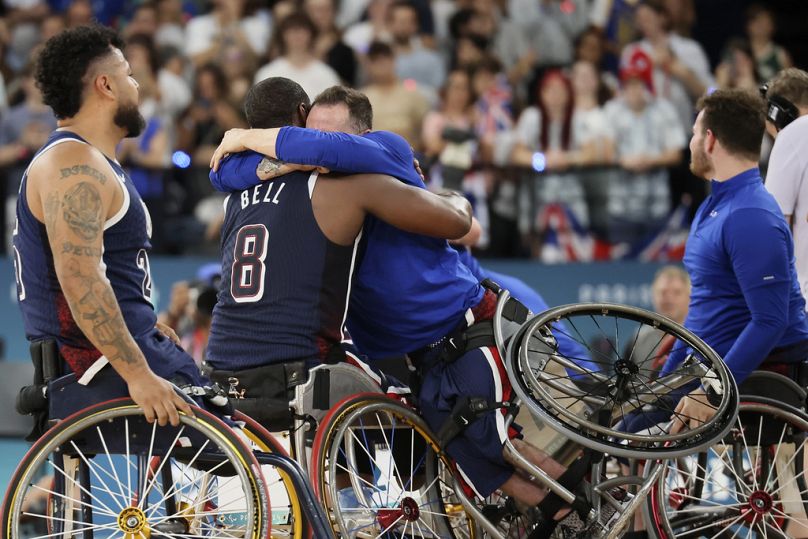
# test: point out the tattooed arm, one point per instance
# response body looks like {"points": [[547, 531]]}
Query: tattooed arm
{"points": [[72, 191]]}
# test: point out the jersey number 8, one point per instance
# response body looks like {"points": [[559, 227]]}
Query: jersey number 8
{"points": [[247, 274]]}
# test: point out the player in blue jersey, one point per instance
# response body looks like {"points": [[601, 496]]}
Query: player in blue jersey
{"points": [[412, 295], [289, 250], [745, 300], [81, 239]]}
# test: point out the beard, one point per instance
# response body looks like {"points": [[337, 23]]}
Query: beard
{"points": [[128, 118], [700, 164]]}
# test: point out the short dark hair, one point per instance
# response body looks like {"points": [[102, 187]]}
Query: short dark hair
{"points": [[297, 19], [737, 118], [359, 107], [403, 4], [790, 84], [274, 102], [63, 64], [379, 49]]}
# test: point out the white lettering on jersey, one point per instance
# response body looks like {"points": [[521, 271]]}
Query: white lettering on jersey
{"points": [[270, 197]]}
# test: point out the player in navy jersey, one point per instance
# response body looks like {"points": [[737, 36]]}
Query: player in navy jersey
{"points": [[412, 294], [81, 239], [289, 250]]}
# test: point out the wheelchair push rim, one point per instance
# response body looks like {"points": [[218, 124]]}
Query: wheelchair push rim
{"points": [[598, 400], [134, 494]]}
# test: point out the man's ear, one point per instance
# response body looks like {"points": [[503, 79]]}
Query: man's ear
{"points": [[710, 139], [303, 113], [103, 85]]}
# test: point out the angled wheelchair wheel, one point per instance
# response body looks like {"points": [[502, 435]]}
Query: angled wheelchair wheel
{"points": [[749, 484], [116, 476], [610, 393], [378, 471], [287, 513]]}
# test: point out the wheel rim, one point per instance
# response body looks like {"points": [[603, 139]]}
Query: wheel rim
{"points": [[745, 487], [139, 495], [601, 401]]}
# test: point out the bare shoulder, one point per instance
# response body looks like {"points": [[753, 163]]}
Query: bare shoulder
{"points": [[70, 162]]}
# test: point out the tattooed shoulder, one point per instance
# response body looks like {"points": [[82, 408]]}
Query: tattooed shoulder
{"points": [[82, 210], [84, 170]]}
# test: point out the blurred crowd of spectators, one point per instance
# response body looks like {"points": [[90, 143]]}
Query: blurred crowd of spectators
{"points": [[535, 108]]}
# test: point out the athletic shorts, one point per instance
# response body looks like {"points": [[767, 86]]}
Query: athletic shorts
{"points": [[478, 449]]}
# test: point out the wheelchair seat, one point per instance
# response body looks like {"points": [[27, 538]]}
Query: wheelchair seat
{"points": [[775, 386], [66, 396]]}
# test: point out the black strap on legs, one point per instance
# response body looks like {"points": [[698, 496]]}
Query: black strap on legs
{"points": [[466, 411]]}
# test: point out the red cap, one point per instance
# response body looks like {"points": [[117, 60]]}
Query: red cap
{"points": [[639, 66]]}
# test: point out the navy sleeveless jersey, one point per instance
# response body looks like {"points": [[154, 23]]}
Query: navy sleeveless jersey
{"points": [[284, 289], [126, 263]]}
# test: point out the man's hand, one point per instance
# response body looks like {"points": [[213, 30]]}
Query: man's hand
{"points": [[231, 143], [158, 399], [694, 409], [168, 332]]}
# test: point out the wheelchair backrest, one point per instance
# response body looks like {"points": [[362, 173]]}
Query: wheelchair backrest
{"points": [[329, 384], [509, 316], [773, 386]]}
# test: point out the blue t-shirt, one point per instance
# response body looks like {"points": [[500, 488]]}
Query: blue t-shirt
{"points": [[410, 290], [745, 298]]}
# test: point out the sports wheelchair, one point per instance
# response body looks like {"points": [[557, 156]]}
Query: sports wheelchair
{"points": [[750, 483], [100, 470], [380, 471]]}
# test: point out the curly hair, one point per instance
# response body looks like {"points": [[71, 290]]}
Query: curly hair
{"points": [[64, 61]]}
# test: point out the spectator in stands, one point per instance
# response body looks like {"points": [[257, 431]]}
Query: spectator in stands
{"points": [[547, 143], [171, 24], [294, 39], [143, 21], [681, 72], [360, 35], [683, 16], [450, 143], [175, 94], [397, 107], [79, 13], [551, 26], [590, 46], [493, 111], [737, 68], [202, 126], [647, 137], [507, 41], [21, 30], [235, 22], [670, 296], [448, 133], [329, 46], [593, 141], [25, 127], [770, 58], [413, 60]]}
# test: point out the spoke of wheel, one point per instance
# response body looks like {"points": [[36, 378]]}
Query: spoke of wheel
{"points": [[173, 490], [611, 344], [800, 523], [360, 478], [163, 461], [128, 469], [776, 454], [757, 454], [729, 466], [706, 526], [104, 487], [142, 498], [111, 465], [66, 476], [787, 466], [202, 501], [709, 473], [390, 526], [428, 527], [634, 344], [57, 494], [392, 466]]}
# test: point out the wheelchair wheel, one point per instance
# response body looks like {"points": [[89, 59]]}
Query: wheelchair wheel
{"points": [[749, 484], [287, 513], [615, 398], [378, 471], [115, 475]]}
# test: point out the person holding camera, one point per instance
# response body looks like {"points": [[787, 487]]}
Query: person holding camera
{"points": [[787, 177]]}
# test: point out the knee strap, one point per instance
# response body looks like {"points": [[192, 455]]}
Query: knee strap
{"points": [[466, 411]]}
